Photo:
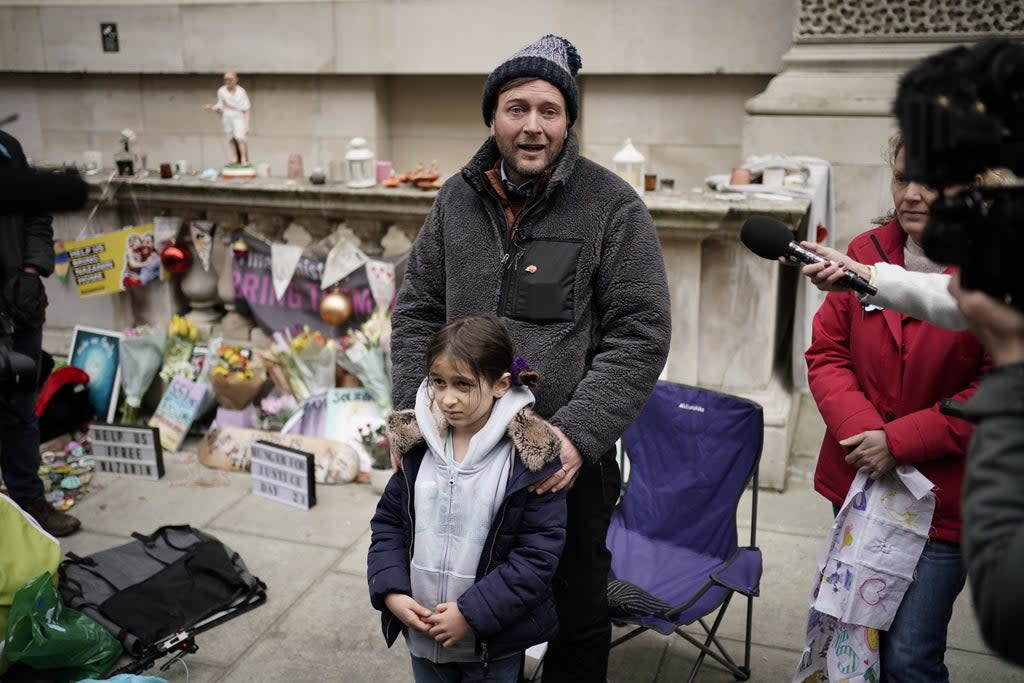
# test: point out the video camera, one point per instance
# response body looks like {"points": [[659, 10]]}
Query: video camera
{"points": [[961, 112], [18, 372]]}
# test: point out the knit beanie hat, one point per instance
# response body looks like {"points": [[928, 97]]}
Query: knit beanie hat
{"points": [[552, 58]]}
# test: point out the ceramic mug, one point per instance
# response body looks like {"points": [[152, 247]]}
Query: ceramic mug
{"points": [[181, 167]]}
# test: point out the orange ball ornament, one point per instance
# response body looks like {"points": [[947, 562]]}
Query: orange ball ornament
{"points": [[335, 308]]}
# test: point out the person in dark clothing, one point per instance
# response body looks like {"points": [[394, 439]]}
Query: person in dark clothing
{"points": [[993, 494], [26, 256], [566, 253]]}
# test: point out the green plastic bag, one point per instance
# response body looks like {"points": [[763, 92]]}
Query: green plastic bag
{"points": [[44, 634]]}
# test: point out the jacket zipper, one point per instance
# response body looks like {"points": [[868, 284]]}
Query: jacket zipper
{"points": [[510, 260], [442, 596], [412, 519]]}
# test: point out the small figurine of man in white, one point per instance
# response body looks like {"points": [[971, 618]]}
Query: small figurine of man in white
{"points": [[233, 106]]}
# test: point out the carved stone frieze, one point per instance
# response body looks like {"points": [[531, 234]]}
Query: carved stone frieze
{"points": [[924, 19]]}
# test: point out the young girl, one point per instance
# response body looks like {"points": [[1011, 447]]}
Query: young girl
{"points": [[462, 555]]}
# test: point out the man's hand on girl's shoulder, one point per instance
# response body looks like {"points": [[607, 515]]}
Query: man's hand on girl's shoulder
{"points": [[572, 461]]}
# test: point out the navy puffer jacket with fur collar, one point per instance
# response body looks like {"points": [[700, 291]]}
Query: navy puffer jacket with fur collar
{"points": [[511, 605]]}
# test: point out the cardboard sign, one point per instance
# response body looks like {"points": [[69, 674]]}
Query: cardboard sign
{"points": [[126, 450], [177, 410], [283, 474]]}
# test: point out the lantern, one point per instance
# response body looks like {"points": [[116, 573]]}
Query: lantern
{"points": [[360, 164], [629, 165]]}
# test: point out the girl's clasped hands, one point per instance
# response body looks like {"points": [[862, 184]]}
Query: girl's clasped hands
{"points": [[446, 624]]}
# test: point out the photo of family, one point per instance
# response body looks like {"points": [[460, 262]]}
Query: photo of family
{"points": [[141, 260]]}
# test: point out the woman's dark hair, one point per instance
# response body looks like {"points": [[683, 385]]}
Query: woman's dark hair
{"points": [[483, 344]]}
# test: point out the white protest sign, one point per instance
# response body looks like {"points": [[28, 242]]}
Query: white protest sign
{"points": [[283, 474], [130, 451]]}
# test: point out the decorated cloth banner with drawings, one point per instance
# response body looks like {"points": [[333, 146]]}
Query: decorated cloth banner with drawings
{"points": [[865, 567]]}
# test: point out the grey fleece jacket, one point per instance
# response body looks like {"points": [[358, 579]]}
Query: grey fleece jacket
{"points": [[579, 280]]}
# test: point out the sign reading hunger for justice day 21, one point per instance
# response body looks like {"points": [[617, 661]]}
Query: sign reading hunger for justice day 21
{"points": [[283, 474], [129, 451]]}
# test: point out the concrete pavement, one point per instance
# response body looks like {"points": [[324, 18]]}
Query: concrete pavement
{"points": [[317, 624]]}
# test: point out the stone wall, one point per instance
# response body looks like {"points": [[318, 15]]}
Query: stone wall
{"points": [[406, 76]]}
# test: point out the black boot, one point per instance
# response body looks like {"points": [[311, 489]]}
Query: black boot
{"points": [[54, 521]]}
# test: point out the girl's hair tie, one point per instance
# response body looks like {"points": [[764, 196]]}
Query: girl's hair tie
{"points": [[517, 365]]}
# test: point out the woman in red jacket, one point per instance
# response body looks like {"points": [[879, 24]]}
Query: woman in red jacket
{"points": [[878, 378]]}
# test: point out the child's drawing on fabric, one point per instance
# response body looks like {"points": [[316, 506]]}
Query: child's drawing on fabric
{"points": [[865, 566]]}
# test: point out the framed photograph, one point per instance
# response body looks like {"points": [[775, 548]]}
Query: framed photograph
{"points": [[98, 353]]}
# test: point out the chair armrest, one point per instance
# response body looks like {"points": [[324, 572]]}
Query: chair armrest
{"points": [[742, 573]]}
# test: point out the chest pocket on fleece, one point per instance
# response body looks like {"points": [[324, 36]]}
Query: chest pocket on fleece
{"points": [[543, 285]]}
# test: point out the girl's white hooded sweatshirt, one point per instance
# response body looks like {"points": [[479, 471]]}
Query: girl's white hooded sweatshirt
{"points": [[456, 504]]}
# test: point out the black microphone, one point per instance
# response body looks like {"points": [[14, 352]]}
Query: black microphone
{"points": [[23, 190], [770, 239]]}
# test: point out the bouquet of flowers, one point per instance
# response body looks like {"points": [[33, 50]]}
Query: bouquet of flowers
{"points": [[141, 353], [276, 409], [301, 364], [366, 353], [235, 378], [373, 437], [283, 368], [182, 335], [314, 357]]}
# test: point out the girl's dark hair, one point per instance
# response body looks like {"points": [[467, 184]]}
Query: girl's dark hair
{"points": [[483, 344]]}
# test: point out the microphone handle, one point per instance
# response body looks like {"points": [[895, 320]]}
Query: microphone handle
{"points": [[852, 280]]}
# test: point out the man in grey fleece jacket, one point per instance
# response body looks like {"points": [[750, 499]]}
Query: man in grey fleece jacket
{"points": [[566, 253]]}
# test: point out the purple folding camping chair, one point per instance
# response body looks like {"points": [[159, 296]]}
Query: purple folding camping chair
{"points": [[675, 554]]}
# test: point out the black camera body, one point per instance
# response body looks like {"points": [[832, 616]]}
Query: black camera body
{"points": [[961, 112], [18, 372]]}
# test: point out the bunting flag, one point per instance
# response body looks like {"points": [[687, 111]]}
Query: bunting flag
{"points": [[342, 260], [381, 277], [283, 259], [202, 240]]}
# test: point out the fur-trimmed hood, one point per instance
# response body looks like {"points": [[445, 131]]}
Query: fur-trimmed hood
{"points": [[533, 438]]}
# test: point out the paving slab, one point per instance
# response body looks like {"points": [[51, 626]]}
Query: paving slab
{"points": [[354, 560], [127, 504], [341, 514], [331, 634]]}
